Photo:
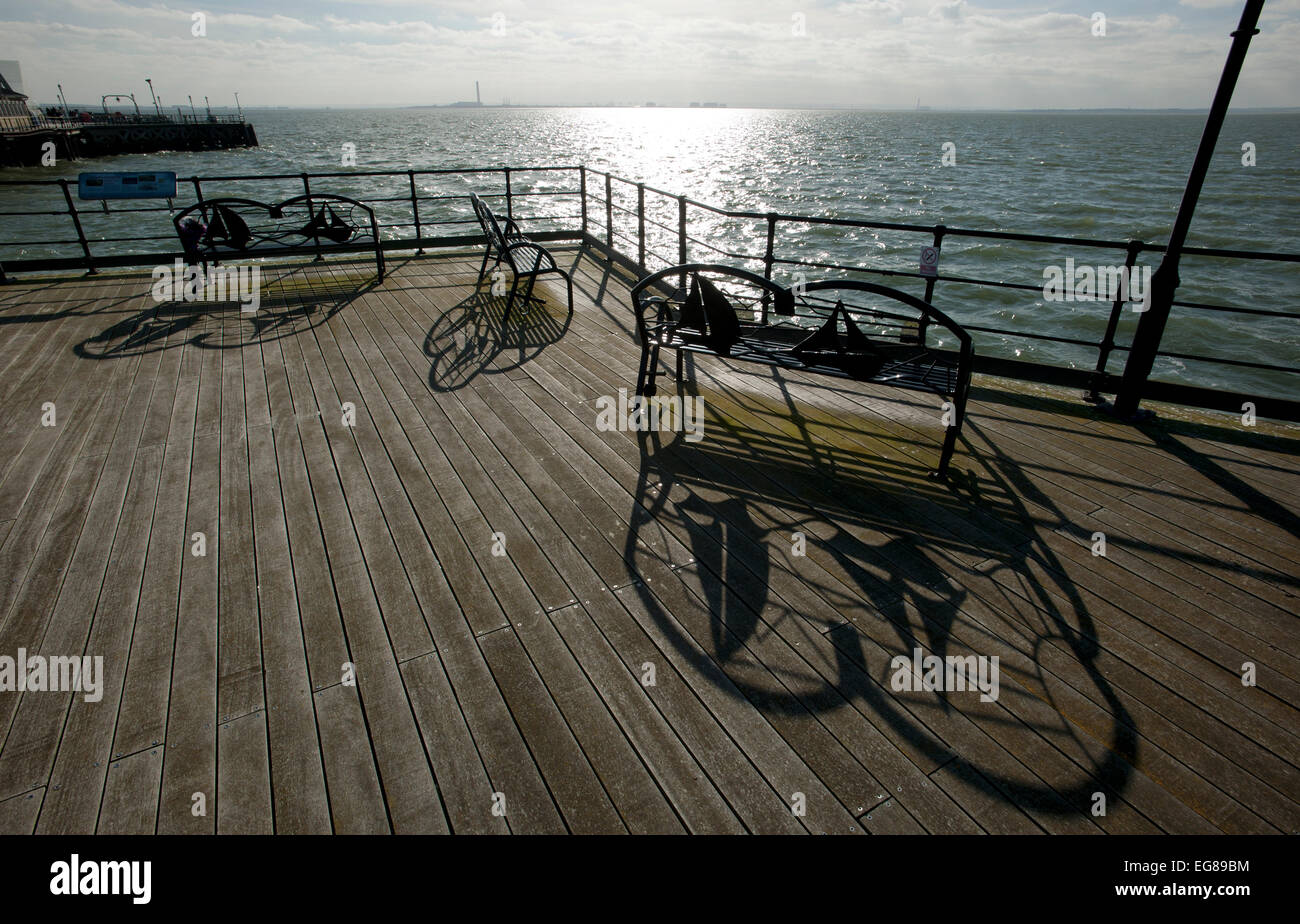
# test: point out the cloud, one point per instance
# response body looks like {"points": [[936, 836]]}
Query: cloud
{"points": [[856, 52]]}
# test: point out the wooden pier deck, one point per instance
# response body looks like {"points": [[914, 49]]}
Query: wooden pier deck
{"points": [[553, 627]]}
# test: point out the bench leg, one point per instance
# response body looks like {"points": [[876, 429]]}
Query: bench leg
{"points": [[482, 270], [950, 440], [505, 318], [528, 295], [645, 379]]}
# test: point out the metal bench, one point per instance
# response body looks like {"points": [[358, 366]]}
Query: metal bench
{"points": [[315, 223], [526, 259], [730, 312]]}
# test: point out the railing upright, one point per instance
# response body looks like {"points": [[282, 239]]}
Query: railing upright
{"points": [[609, 212], [1107, 344], [415, 209], [81, 234], [930, 283], [681, 235], [769, 258], [640, 226], [510, 208], [582, 195]]}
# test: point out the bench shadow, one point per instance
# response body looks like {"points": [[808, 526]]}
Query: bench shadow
{"points": [[468, 339], [292, 299], [891, 561]]}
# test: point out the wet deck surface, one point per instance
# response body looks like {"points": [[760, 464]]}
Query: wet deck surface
{"points": [[555, 627]]}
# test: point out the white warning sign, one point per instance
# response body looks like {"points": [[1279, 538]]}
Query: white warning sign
{"points": [[929, 261]]}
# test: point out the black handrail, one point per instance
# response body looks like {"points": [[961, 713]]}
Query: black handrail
{"points": [[634, 226]]}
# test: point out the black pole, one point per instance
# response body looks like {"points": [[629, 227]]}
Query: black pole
{"points": [[1164, 282]]}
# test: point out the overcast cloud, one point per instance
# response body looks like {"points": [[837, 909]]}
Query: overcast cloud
{"points": [[865, 53]]}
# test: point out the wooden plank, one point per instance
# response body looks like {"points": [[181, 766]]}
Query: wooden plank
{"points": [[297, 778], [409, 788], [190, 764], [142, 714], [128, 806], [85, 748], [356, 798], [18, 813], [582, 800], [243, 800], [239, 645], [639, 801], [462, 777], [322, 626], [682, 779]]}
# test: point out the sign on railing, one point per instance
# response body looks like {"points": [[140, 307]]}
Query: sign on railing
{"points": [[158, 184]]}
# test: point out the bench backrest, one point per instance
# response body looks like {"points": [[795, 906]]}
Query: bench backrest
{"points": [[488, 222], [310, 223], [752, 296]]}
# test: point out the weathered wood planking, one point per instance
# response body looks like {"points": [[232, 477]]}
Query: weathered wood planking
{"points": [[350, 655]]}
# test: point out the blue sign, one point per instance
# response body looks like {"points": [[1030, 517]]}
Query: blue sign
{"points": [[154, 185]]}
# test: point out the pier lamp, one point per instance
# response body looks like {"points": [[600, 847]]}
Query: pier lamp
{"points": [[156, 108]]}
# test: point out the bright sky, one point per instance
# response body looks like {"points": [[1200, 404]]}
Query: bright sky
{"points": [[865, 53]]}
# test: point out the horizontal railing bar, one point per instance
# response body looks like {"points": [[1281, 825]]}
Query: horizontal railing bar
{"points": [[1269, 367]]}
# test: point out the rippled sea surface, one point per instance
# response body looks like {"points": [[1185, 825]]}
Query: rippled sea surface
{"points": [[1106, 176]]}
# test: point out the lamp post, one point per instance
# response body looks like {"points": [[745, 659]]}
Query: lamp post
{"points": [[63, 99], [239, 107], [208, 107], [156, 109]]}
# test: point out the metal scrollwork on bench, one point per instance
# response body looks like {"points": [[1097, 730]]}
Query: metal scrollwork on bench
{"points": [[312, 223], [725, 311]]}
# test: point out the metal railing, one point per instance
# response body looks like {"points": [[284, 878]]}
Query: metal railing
{"points": [[645, 228], [645, 251]]}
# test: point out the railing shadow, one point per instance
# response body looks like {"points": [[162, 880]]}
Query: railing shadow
{"points": [[898, 561], [295, 299], [468, 339]]}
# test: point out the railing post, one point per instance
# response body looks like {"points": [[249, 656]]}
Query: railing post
{"points": [[930, 282], [510, 205], [1164, 282], [1107, 344], [415, 210], [681, 234], [582, 195], [640, 226], [769, 258], [609, 213], [769, 255], [81, 235]]}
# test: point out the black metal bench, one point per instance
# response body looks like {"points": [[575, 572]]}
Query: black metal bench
{"points": [[315, 223], [725, 311], [526, 259]]}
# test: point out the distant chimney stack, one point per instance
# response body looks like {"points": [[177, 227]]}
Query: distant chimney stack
{"points": [[477, 97]]}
